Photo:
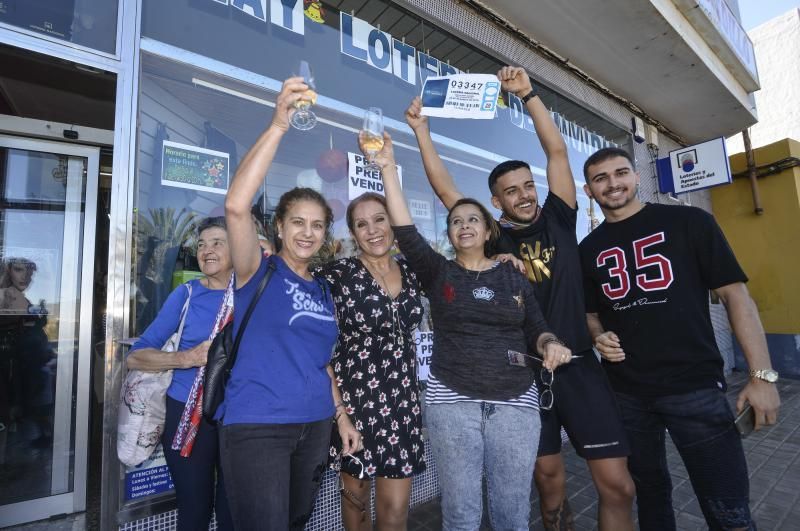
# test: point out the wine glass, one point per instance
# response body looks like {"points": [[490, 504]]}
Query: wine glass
{"points": [[373, 136], [303, 119]]}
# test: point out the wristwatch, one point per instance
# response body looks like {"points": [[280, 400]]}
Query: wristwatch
{"points": [[530, 95], [768, 375]]}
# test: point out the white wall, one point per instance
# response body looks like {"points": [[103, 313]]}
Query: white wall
{"points": [[777, 47]]}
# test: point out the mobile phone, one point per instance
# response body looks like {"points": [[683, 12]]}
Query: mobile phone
{"points": [[746, 421]]}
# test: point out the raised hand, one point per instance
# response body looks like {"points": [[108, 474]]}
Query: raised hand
{"points": [[382, 158], [514, 79], [293, 90], [414, 117]]}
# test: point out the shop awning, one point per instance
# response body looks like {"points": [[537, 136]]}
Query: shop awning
{"points": [[686, 63]]}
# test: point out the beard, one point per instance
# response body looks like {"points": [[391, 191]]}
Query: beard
{"points": [[512, 217], [617, 203]]}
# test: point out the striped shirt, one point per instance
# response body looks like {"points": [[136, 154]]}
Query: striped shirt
{"points": [[438, 393]]}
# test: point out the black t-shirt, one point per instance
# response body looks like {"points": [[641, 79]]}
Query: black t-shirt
{"points": [[477, 318], [648, 278], [549, 249]]}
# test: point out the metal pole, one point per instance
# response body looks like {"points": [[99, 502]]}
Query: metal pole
{"points": [[751, 172]]}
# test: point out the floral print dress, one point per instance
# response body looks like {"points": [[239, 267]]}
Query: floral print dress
{"points": [[375, 367]]}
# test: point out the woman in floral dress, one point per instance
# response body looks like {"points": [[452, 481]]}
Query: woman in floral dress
{"points": [[378, 307]]}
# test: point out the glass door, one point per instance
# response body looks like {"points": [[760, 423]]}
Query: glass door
{"points": [[48, 197]]}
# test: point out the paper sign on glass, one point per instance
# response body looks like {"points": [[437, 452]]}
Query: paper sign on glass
{"points": [[461, 96]]}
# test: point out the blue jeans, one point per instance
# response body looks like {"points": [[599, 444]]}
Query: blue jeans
{"points": [[273, 472], [700, 424], [470, 438]]}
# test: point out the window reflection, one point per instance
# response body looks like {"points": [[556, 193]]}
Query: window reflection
{"points": [[37, 319], [90, 23]]}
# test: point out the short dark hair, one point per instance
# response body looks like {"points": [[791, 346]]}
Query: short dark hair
{"points": [[602, 155], [211, 222], [363, 198], [503, 168], [488, 221]]}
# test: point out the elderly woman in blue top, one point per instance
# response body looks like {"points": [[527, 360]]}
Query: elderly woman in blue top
{"points": [[281, 398], [194, 476], [481, 411]]}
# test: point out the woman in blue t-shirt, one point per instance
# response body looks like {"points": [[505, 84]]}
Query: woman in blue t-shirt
{"points": [[194, 476], [280, 399]]}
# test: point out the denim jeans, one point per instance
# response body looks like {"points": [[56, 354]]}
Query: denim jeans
{"points": [[469, 439], [701, 425], [273, 472], [198, 479]]}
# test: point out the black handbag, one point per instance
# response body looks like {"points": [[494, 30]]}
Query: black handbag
{"points": [[222, 355]]}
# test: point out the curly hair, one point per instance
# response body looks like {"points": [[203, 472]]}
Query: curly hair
{"points": [[294, 195]]}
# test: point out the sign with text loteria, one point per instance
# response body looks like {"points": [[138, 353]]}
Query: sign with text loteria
{"points": [[696, 167]]}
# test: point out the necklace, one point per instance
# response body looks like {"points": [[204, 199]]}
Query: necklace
{"points": [[391, 303], [375, 271], [468, 270]]}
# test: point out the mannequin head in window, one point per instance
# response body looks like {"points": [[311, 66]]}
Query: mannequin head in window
{"points": [[17, 273]]}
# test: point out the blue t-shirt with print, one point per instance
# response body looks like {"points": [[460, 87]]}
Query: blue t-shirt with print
{"points": [[200, 317], [280, 374]]}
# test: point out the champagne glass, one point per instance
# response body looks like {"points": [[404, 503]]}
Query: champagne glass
{"points": [[303, 119], [373, 136]]}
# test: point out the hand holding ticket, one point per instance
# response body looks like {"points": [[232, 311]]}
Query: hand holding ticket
{"points": [[461, 96]]}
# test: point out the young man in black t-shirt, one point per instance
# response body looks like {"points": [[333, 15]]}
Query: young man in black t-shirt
{"points": [[544, 238], [647, 270]]}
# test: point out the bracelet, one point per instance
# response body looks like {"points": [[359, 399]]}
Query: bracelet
{"points": [[339, 413], [552, 339], [529, 96]]}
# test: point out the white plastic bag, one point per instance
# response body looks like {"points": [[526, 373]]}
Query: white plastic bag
{"points": [[143, 405]]}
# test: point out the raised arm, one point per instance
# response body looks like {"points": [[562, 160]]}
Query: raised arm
{"points": [[242, 237], [440, 179], [746, 325], [395, 198], [559, 175]]}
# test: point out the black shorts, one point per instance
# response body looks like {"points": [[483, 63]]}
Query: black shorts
{"points": [[586, 407]]}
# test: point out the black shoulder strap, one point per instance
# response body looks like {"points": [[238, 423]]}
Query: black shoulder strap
{"points": [[250, 308]]}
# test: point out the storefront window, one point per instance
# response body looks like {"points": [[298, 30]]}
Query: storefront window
{"points": [[188, 112], [89, 23]]}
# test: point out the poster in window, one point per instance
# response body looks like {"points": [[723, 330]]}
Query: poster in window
{"points": [[196, 168]]}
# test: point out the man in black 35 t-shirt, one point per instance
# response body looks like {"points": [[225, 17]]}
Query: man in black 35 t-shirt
{"points": [[647, 272], [544, 239]]}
